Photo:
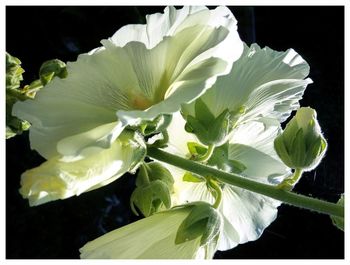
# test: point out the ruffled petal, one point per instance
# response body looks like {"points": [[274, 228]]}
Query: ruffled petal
{"points": [[158, 26], [263, 83], [183, 69], [56, 179]]}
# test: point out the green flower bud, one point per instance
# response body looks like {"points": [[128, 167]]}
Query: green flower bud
{"points": [[14, 72], [14, 77], [301, 145], [50, 69], [154, 184], [204, 221]]}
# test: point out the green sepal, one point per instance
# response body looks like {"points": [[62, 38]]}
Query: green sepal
{"points": [[50, 69], [208, 129], [203, 113], [196, 127], [151, 198], [220, 128], [157, 125], [129, 137], [298, 156], [196, 149], [154, 171], [154, 184], [220, 159], [203, 221], [281, 150], [339, 221], [190, 177], [159, 140]]}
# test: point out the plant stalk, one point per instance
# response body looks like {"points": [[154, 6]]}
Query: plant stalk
{"points": [[237, 180]]}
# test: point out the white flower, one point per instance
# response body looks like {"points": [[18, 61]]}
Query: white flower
{"points": [[246, 214], [140, 72], [263, 85], [56, 179], [153, 237]]}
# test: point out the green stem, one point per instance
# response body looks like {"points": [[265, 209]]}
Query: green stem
{"points": [[207, 155], [239, 181], [218, 192], [288, 183]]}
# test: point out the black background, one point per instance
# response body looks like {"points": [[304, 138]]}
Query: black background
{"points": [[58, 229]]}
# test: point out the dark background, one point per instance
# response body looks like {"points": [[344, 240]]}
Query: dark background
{"points": [[58, 229]]}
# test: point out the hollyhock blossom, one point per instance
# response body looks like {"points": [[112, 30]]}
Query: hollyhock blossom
{"points": [[139, 73]]}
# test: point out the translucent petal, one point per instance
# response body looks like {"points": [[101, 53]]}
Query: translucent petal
{"points": [[172, 21], [247, 213], [252, 144], [149, 238], [259, 165], [257, 134], [56, 179], [85, 100], [265, 82], [180, 72]]}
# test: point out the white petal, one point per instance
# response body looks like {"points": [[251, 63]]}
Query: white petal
{"points": [[260, 166], [149, 238], [257, 134], [56, 179], [86, 99], [267, 83], [134, 81], [247, 213], [182, 69], [171, 22], [276, 99]]}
